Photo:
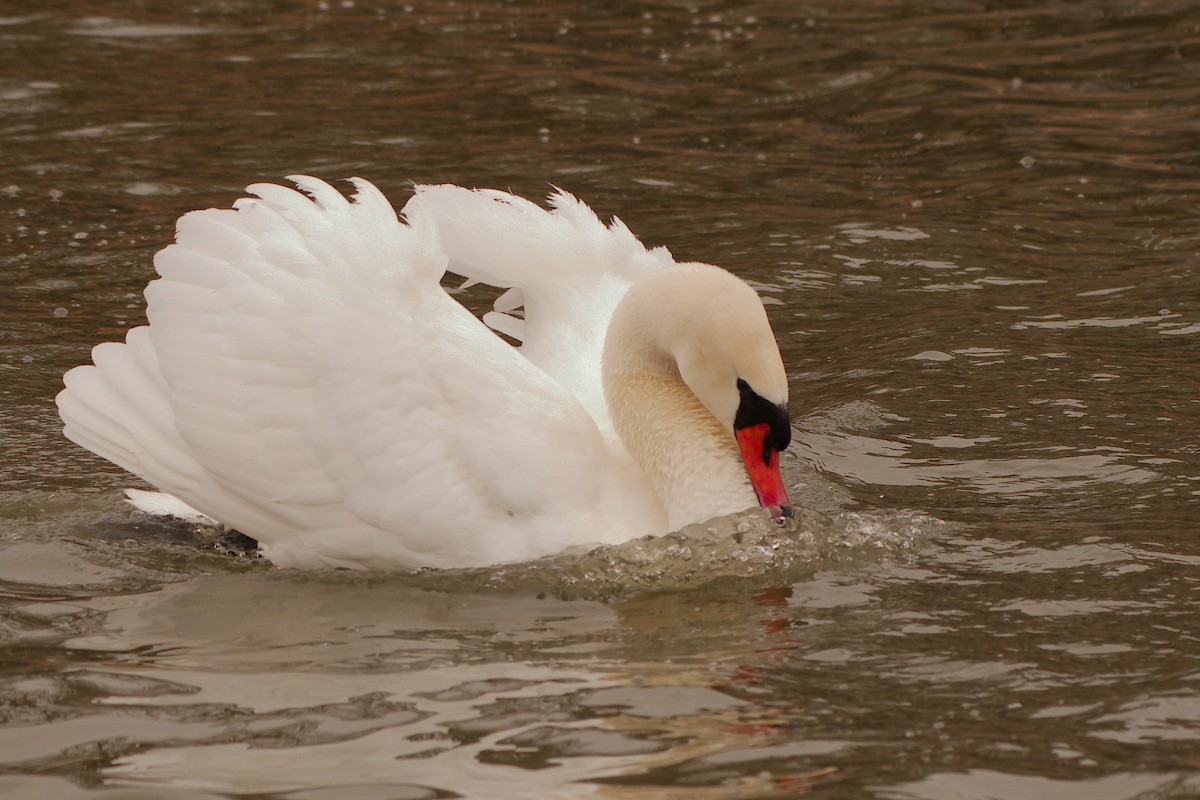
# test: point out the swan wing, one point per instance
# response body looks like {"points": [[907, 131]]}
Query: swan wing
{"points": [[564, 269], [305, 379]]}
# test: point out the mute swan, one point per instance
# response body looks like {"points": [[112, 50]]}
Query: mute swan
{"points": [[305, 379]]}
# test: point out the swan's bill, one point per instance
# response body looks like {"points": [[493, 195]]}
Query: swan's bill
{"points": [[763, 430], [762, 465]]}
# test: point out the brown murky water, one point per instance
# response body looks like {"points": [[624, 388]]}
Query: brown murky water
{"points": [[977, 228]]}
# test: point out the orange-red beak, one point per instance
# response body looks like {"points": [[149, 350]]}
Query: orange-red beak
{"points": [[762, 465]]}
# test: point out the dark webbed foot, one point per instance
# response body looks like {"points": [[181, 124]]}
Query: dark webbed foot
{"points": [[236, 543]]}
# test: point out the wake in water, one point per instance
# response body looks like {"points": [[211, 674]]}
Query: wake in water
{"points": [[744, 546]]}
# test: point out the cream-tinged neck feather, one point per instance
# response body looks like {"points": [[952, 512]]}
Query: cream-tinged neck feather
{"points": [[676, 347], [690, 460]]}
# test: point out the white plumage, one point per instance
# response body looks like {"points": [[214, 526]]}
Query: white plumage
{"points": [[305, 379]]}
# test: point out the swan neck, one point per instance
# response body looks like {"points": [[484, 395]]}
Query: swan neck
{"points": [[691, 461]]}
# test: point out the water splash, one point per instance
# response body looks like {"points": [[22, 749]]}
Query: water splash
{"points": [[746, 546], [132, 548]]}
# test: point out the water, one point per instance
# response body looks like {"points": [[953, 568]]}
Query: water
{"points": [[976, 229]]}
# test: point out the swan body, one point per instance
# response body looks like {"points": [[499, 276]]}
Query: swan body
{"points": [[305, 378]]}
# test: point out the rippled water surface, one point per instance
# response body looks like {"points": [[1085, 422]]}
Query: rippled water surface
{"points": [[977, 229]]}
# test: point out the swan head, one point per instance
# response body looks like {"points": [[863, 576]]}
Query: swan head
{"points": [[708, 329], [727, 355]]}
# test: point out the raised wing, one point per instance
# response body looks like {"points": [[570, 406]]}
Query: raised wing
{"points": [[566, 268], [305, 379]]}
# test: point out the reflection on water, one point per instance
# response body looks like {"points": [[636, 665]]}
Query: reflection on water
{"points": [[974, 226], [261, 680]]}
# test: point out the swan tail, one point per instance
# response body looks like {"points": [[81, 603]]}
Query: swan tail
{"points": [[161, 504]]}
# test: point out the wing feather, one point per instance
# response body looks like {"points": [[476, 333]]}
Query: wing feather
{"points": [[305, 379], [568, 269]]}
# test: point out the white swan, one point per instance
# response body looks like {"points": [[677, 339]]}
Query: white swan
{"points": [[305, 379]]}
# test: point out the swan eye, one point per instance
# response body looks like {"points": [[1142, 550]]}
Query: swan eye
{"points": [[754, 409]]}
